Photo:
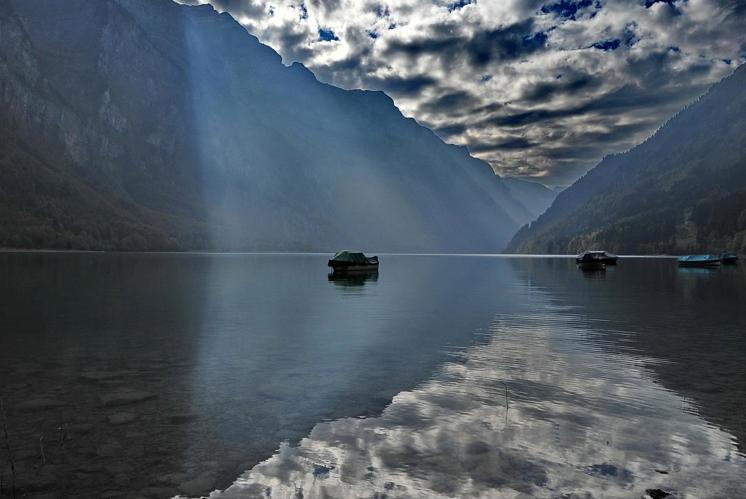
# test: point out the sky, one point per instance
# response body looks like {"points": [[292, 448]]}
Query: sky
{"points": [[539, 89]]}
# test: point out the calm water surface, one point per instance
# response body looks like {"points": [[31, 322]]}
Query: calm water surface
{"points": [[156, 375]]}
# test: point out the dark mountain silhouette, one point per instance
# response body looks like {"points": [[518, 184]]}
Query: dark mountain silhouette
{"points": [[144, 124], [682, 190]]}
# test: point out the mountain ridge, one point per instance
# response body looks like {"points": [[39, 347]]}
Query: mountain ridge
{"points": [[681, 190], [159, 126]]}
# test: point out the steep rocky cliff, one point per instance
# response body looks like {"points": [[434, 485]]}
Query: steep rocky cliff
{"points": [[144, 124]]}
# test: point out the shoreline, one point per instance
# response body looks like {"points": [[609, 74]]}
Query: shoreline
{"points": [[385, 253]]}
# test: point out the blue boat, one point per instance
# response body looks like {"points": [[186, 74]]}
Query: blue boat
{"points": [[699, 261], [728, 258]]}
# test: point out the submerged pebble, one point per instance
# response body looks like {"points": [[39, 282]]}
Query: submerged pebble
{"points": [[39, 404], [126, 397], [122, 418]]}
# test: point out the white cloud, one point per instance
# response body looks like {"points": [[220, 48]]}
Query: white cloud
{"points": [[574, 80]]}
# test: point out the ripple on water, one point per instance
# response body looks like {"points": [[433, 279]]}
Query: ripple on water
{"points": [[577, 419]]}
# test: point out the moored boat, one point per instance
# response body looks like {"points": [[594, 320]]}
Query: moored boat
{"points": [[699, 261], [591, 260], [602, 256], [728, 258], [353, 261]]}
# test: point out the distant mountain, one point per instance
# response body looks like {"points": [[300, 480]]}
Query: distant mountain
{"points": [[144, 124], [682, 190], [533, 195]]}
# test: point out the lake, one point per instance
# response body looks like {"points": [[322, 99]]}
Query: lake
{"points": [[152, 375]]}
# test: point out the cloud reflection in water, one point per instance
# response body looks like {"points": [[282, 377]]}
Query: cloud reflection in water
{"points": [[580, 420]]}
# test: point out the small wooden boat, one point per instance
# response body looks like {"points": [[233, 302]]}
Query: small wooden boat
{"points": [[699, 261], [728, 258], [603, 256], [353, 261], [591, 260]]}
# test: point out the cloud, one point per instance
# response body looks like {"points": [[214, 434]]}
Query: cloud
{"points": [[480, 48], [562, 84], [518, 143], [453, 101], [403, 86], [590, 76]]}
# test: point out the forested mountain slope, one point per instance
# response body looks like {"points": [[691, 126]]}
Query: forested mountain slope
{"points": [[682, 190]]}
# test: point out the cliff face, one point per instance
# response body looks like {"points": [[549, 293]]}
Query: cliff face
{"points": [[95, 150], [683, 190], [144, 124]]}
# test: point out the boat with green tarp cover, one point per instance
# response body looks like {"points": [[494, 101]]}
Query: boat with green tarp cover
{"points": [[600, 256], [591, 260], [353, 261], [699, 261]]}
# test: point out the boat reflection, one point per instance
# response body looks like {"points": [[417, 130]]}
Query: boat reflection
{"points": [[594, 273], [352, 279], [698, 271]]}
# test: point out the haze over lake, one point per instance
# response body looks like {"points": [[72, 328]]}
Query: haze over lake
{"points": [[156, 374]]}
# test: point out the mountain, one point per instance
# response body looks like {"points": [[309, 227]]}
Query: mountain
{"points": [[149, 125], [534, 196], [682, 190]]}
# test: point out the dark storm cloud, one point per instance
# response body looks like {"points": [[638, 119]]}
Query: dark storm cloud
{"points": [[402, 85], [607, 44], [512, 143], [524, 118], [506, 44], [481, 48], [451, 102], [541, 88], [613, 134], [326, 6], [619, 101], [422, 46], [488, 108], [450, 130], [559, 85]]}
